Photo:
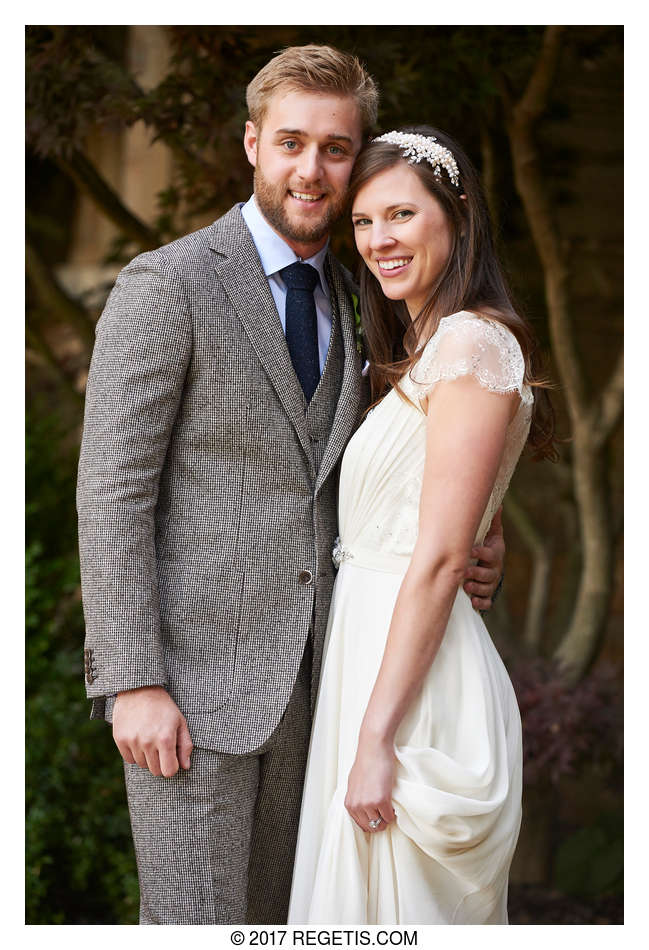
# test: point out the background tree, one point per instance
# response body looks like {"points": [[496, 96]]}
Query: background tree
{"points": [[539, 110]]}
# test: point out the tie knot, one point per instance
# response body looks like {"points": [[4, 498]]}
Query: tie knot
{"points": [[300, 276]]}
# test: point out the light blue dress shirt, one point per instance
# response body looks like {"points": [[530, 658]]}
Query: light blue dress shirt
{"points": [[275, 254]]}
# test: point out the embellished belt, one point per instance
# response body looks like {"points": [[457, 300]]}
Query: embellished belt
{"points": [[369, 558]]}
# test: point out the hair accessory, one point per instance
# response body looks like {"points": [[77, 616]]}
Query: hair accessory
{"points": [[417, 147]]}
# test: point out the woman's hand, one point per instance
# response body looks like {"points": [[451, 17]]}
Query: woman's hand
{"points": [[369, 789]]}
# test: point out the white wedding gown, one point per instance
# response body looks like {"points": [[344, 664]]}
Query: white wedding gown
{"points": [[457, 793]]}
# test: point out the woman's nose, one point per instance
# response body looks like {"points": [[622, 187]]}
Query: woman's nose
{"points": [[381, 238]]}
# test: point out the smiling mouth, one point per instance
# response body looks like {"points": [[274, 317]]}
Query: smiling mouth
{"points": [[306, 197], [390, 267]]}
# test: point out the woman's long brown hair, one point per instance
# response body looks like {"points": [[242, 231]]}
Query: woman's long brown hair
{"points": [[472, 279]]}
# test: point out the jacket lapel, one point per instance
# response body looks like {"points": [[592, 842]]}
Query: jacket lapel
{"points": [[349, 400], [239, 269]]}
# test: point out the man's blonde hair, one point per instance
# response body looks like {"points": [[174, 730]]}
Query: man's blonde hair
{"points": [[314, 69]]}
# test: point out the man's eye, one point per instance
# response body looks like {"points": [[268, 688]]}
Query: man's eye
{"points": [[291, 145], [336, 150]]}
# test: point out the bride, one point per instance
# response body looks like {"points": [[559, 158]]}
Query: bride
{"points": [[412, 798]]}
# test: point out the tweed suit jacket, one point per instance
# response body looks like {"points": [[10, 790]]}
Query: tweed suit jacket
{"points": [[205, 526]]}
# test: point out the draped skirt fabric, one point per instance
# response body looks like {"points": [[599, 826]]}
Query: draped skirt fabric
{"points": [[457, 793]]}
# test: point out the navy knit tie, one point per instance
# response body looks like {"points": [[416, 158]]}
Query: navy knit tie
{"points": [[302, 324]]}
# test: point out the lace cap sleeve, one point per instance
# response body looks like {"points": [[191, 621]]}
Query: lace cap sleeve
{"points": [[465, 344]]}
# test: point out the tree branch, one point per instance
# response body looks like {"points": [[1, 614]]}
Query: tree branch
{"points": [[53, 298], [541, 564], [530, 185], [534, 100], [175, 145], [86, 176], [37, 342], [580, 644], [609, 405]]}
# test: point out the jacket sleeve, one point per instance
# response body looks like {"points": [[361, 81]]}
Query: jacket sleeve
{"points": [[137, 373]]}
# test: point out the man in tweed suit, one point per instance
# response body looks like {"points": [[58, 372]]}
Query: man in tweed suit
{"points": [[207, 508]]}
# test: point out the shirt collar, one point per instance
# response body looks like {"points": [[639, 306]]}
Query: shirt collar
{"points": [[273, 250]]}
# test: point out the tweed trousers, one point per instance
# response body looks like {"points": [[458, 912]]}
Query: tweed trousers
{"points": [[228, 824]]}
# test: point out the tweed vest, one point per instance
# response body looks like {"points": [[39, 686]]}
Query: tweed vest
{"points": [[322, 408]]}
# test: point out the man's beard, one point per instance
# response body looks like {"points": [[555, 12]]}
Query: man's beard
{"points": [[270, 199]]}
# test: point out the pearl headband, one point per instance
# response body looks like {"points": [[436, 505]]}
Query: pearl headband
{"points": [[417, 147]]}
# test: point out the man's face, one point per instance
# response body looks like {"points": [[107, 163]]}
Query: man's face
{"points": [[303, 157]]}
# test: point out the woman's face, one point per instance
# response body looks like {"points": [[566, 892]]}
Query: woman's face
{"points": [[402, 234]]}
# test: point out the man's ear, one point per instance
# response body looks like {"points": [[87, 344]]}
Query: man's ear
{"points": [[250, 143]]}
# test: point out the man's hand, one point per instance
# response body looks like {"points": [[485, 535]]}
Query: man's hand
{"points": [[481, 579], [150, 730]]}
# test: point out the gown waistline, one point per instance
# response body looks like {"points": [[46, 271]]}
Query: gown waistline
{"points": [[371, 559]]}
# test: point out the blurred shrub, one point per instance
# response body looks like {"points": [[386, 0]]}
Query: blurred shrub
{"points": [[568, 727], [573, 765], [79, 858], [590, 862]]}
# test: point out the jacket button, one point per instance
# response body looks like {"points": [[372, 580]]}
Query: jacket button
{"points": [[306, 578], [89, 666]]}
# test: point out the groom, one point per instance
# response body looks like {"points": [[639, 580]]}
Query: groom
{"points": [[224, 386]]}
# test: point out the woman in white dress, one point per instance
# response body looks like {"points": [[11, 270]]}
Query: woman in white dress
{"points": [[412, 797]]}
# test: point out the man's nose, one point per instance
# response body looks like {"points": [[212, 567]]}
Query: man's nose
{"points": [[310, 165]]}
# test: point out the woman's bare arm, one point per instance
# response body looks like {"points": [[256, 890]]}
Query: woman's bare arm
{"points": [[465, 440]]}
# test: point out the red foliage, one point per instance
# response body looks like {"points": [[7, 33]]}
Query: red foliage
{"points": [[567, 726]]}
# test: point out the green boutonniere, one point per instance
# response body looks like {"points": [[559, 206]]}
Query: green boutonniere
{"points": [[358, 328]]}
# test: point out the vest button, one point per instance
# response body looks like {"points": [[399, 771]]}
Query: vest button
{"points": [[305, 577]]}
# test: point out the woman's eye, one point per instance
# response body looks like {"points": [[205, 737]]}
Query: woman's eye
{"points": [[361, 221], [404, 213]]}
